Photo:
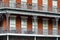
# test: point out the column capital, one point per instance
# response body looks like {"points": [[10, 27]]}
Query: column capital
{"points": [[7, 14]]}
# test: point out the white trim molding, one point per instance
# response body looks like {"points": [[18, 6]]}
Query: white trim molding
{"points": [[29, 13]]}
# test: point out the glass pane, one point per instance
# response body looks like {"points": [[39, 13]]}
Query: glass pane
{"points": [[45, 24], [24, 24], [12, 3], [12, 23]]}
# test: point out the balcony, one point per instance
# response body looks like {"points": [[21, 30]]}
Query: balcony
{"points": [[39, 32], [29, 7]]}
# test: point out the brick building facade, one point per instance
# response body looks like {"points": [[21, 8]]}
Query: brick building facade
{"points": [[29, 19]]}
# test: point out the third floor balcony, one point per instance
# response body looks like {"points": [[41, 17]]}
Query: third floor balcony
{"points": [[30, 7]]}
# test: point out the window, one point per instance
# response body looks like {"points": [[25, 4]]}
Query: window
{"points": [[12, 3], [45, 26], [34, 25], [45, 2], [54, 24], [12, 23], [24, 0], [45, 5], [23, 4], [24, 23], [34, 1], [54, 27], [54, 3]]}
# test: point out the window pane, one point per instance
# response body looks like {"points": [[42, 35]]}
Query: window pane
{"points": [[34, 24], [24, 23], [54, 24], [12, 3], [12, 23], [45, 24]]}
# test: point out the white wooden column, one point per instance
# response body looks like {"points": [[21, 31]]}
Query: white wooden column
{"points": [[57, 38], [7, 19], [34, 22], [57, 24], [7, 37], [35, 38]]}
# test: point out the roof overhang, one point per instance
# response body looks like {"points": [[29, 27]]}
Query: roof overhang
{"points": [[27, 12]]}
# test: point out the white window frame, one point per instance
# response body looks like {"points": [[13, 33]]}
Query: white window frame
{"points": [[23, 4], [45, 26], [24, 0], [13, 25], [45, 2], [23, 23], [45, 23], [34, 25], [45, 5], [34, 1], [55, 28], [54, 25], [12, 3], [54, 5]]}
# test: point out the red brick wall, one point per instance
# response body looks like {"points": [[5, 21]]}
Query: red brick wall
{"points": [[29, 1], [50, 5], [40, 25], [18, 3], [50, 26], [18, 24], [6, 2], [58, 3], [29, 4], [40, 4], [29, 23], [4, 23], [59, 27], [5, 26]]}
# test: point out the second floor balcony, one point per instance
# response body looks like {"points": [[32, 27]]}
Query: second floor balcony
{"points": [[35, 32]]}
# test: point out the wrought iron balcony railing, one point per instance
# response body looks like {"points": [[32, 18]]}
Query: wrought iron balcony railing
{"points": [[40, 32], [36, 31], [30, 7]]}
